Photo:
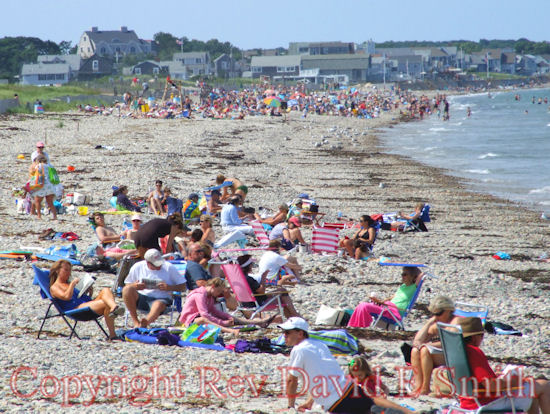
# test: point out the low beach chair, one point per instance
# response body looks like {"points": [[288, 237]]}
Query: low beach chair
{"points": [[419, 223], [42, 279], [260, 233], [458, 368], [392, 322], [324, 240], [243, 294]]}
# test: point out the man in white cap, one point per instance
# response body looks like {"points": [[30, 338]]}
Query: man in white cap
{"points": [[148, 287], [312, 361]]}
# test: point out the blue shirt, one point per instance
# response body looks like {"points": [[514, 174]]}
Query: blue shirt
{"points": [[229, 216]]}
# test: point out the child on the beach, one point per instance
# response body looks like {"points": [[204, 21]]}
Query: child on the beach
{"points": [[360, 371]]}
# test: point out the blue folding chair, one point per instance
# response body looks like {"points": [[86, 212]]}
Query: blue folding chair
{"points": [[42, 279], [466, 310], [419, 223], [393, 321]]}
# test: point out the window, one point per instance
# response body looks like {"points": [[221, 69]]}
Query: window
{"points": [[137, 71], [60, 76], [286, 69], [132, 50], [156, 71], [256, 69], [198, 60], [95, 65], [102, 50]]}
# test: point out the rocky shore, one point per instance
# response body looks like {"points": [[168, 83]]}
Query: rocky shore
{"points": [[277, 160]]}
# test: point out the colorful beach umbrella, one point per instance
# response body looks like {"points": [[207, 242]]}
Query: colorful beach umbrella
{"points": [[272, 101]]}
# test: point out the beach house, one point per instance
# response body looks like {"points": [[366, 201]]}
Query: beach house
{"points": [[112, 43]]}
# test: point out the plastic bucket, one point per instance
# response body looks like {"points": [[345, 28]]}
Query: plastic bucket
{"points": [[82, 210]]}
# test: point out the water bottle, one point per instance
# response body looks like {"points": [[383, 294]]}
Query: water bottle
{"points": [[339, 215]]}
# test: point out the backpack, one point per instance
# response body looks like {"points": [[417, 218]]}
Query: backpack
{"points": [[52, 176]]}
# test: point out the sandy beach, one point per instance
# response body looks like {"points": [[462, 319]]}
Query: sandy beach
{"points": [[277, 160]]}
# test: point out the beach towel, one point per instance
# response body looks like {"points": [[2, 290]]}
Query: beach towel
{"points": [[338, 341]]}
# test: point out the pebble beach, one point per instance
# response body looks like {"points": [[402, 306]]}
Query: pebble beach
{"points": [[337, 161]]}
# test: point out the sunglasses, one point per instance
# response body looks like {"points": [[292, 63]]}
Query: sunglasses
{"points": [[438, 313]]}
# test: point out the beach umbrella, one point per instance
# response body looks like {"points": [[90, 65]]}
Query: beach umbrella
{"points": [[292, 102], [273, 101], [269, 92], [297, 95]]}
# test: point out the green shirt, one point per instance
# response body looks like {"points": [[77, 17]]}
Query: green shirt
{"points": [[403, 296]]}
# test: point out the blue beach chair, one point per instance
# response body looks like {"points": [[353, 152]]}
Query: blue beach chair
{"points": [[42, 279]]}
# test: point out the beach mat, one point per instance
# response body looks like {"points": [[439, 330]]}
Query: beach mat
{"points": [[54, 258], [135, 335], [16, 256]]}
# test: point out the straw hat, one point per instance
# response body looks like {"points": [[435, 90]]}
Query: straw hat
{"points": [[471, 326]]}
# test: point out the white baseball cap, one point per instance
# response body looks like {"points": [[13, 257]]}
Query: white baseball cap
{"points": [[294, 323], [154, 257]]}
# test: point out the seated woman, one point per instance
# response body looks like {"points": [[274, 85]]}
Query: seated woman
{"points": [[360, 244], [535, 394], [362, 315], [258, 288], [122, 200], [427, 353], [276, 219], [155, 198], [104, 304], [208, 234], [136, 224], [289, 233], [200, 308], [399, 225]]}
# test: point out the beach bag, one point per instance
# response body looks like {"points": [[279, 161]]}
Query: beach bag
{"points": [[36, 182], [80, 199], [330, 316], [203, 334], [52, 176]]}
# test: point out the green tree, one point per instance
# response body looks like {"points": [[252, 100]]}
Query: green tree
{"points": [[65, 47], [167, 45]]}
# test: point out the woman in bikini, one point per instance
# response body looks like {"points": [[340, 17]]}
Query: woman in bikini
{"points": [[360, 244]]}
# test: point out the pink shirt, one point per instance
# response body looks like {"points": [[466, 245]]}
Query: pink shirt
{"points": [[200, 303]]}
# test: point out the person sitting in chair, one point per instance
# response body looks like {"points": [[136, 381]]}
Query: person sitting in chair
{"points": [[359, 246], [230, 219], [426, 352], [362, 315], [213, 205], [122, 200], [63, 290], [276, 219], [149, 287], [155, 197], [415, 217], [535, 394]]}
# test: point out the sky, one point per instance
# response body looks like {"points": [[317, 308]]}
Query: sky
{"points": [[268, 24]]}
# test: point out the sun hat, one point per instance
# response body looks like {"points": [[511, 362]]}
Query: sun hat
{"points": [[441, 303], [295, 221], [154, 257], [40, 144], [471, 326], [294, 323], [136, 216]]}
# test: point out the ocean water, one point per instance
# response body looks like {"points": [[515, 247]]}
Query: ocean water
{"points": [[502, 149]]}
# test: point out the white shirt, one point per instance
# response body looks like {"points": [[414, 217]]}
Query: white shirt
{"points": [[277, 231], [168, 273], [272, 262], [315, 359], [35, 154]]}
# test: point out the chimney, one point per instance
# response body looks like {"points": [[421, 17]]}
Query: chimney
{"points": [[124, 29], [94, 29]]}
